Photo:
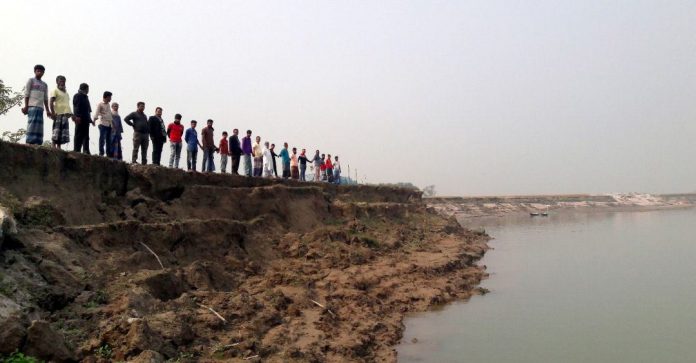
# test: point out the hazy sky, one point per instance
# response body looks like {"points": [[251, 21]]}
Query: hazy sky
{"points": [[477, 97]]}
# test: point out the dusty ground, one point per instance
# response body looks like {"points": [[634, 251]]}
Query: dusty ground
{"points": [[251, 269]]}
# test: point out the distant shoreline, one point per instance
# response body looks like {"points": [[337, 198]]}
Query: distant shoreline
{"points": [[477, 207]]}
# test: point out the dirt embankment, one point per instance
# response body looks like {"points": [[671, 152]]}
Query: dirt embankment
{"points": [[111, 262]]}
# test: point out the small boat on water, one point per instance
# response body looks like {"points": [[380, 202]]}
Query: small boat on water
{"points": [[540, 214]]}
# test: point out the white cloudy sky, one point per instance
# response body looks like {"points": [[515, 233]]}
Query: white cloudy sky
{"points": [[476, 97]]}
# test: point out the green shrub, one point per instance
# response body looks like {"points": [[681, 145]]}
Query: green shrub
{"points": [[18, 357]]}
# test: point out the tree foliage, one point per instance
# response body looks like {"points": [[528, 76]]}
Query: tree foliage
{"points": [[429, 191], [15, 136], [8, 98]]}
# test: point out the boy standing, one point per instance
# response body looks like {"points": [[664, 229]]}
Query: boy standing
{"points": [[294, 171], [35, 99], [224, 152], [267, 161], [82, 110], [192, 145], [257, 150], [246, 149], [274, 155], [103, 114], [60, 109], [303, 164], [337, 170], [175, 131], [328, 166], [116, 131], [317, 166], [285, 158], [235, 150]]}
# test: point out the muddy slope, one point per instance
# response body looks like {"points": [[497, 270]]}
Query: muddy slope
{"points": [[111, 262]]}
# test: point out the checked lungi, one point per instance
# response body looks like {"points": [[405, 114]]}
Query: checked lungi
{"points": [[61, 129], [35, 125], [258, 165]]}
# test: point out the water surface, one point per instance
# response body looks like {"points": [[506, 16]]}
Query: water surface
{"points": [[573, 287]]}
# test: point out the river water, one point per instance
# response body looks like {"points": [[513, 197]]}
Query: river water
{"points": [[573, 287]]}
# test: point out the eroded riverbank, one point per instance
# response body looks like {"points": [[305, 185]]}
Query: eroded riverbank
{"points": [[114, 262]]}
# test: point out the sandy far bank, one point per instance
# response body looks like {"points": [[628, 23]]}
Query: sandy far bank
{"points": [[473, 207]]}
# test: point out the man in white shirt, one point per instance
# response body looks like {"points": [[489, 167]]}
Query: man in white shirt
{"points": [[35, 102], [103, 115]]}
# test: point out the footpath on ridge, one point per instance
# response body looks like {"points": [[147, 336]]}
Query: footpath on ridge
{"points": [[103, 261]]}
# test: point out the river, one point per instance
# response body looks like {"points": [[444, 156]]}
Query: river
{"points": [[573, 287]]}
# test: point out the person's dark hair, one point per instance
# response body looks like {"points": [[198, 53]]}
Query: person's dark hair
{"points": [[224, 132], [177, 116], [194, 122], [39, 66], [210, 120], [272, 144], [141, 103], [59, 78], [158, 108], [294, 149], [107, 94], [248, 132], [83, 86], [235, 130]]}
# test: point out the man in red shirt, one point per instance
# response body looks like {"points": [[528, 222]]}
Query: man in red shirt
{"points": [[224, 152], [175, 130]]}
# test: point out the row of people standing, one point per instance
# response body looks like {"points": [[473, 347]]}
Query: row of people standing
{"points": [[146, 129]]}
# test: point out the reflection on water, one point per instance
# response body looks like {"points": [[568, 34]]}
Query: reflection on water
{"points": [[573, 287]]}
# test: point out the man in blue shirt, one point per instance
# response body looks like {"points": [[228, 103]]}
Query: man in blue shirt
{"points": [[192, 145]]}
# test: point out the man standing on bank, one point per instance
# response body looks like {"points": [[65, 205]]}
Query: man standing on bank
{"points": [[157, 134], [35, 102], [61, 111], [81, 115], [235, 150], [209, 147], [246, 149], [141, 132], [104, 116], [285, 158], [175, 130]]}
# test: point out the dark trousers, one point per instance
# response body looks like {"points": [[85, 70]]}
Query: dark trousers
{"points": [[116, 151], [208, 164], [82, 136], [104, 140], [140, 141], [235, 164], [191, 156], [157, 151]]}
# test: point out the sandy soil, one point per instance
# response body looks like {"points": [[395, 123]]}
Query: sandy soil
{"points": [[147, 264]]}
